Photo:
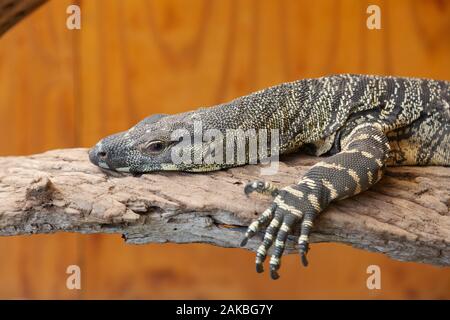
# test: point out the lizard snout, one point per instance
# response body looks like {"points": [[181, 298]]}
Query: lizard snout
{"points": [[99, 157], [110, 153]]}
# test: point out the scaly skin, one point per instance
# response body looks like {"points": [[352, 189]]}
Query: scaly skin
{"points": [[363, 123]]}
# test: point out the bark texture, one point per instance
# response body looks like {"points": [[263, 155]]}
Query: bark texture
{"points": [[405, 216], [12, 11]]}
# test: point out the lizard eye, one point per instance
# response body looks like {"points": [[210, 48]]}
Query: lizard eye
{"points": [[154, 147]]}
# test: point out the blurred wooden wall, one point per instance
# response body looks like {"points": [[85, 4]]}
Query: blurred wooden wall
{"points": [[62, 88]]}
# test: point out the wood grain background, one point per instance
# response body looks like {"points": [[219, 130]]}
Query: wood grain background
{"points": [[62, 88]]}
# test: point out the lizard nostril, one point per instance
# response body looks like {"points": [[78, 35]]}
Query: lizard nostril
{"points": [[102, 155]]}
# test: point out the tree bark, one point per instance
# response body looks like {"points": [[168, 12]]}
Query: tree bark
{"points": [[13, 11], [406, 215]]}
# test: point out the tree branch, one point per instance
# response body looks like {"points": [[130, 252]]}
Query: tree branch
{"points": [[13, 11], [405, 216]]}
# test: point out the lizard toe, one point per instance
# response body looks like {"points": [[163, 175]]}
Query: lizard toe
{"points": [[262, 187]]}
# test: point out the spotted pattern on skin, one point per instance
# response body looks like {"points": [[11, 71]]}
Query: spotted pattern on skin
{"points": [[267, 212], [314, 201], [274, 260], [369, 177], [309, 182], [287, 207], [308, 223], [329, 165], [279, 243], [349, 151], [362, 123], [327, 184], [335, 178], [359, 137], [367, 154], [356, 178], [254, 226], [275, 223], [379, 175], [261, 250], [263, 187], [303, 238], [299, 194], [377, 138]]}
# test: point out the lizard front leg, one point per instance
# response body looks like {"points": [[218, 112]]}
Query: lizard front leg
{"points": [[356, 168]]}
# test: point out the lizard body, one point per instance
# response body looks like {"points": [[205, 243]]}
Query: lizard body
{"points": [[362, 123]]}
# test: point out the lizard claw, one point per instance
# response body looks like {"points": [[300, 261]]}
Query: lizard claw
{"points": [[249, 234], [259, 268], [303, 251], [304, 260], [274, 274]]}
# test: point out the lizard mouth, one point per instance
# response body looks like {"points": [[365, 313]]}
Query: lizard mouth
{"points": [[104, 162], [109, 166], [99, 158], [103, 165]]}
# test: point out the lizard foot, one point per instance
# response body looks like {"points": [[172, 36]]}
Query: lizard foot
{"points": [[285, 213], [260, 186]]}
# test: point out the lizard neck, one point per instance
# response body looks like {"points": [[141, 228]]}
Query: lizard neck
{"points": [[273, 113], [273, 107], [286, 108]]}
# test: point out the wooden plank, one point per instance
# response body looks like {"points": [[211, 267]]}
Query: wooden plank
{"points": [[37, 112], [135, 57], [173, 56], [13, 11]]}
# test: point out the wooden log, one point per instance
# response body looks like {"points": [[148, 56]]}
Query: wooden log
{"points": [[406, 215]]}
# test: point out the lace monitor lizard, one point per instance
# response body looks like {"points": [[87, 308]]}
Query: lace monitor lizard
{"points": [[362, 123]]}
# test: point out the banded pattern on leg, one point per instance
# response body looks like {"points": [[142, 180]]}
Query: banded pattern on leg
{"points": [[356, 168]]}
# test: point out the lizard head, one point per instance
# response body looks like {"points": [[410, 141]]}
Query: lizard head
{"points": [[148, 145]]}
